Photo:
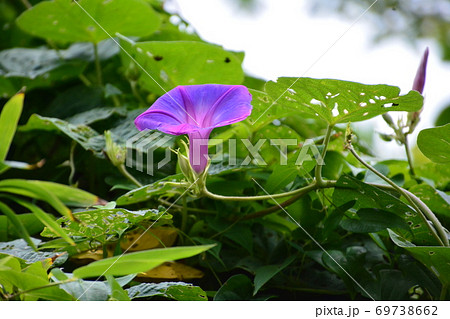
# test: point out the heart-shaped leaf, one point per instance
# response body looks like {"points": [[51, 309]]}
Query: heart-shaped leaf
{"points": [[337, 101]]}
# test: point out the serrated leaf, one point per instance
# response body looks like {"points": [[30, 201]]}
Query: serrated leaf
{"points": [[337, 101], [66, 21], [137, 262], [434, 143]]}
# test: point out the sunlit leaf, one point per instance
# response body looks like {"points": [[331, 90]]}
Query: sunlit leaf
{"points": [[64, 20], [336, 101], [137, 262], [172, 63]]}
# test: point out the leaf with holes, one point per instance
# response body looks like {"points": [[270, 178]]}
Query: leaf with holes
{"points": [[435, 258], [67, 21], [337, 101], [146, 192], [367, 196], [172, 63], [101, 224], [434, 143]]}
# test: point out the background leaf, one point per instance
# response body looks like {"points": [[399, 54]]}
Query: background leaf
{"points": [[434, 143], [64, 20]]}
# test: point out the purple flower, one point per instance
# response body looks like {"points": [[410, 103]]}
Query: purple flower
{"points": [[419, 80], [196, 110]]}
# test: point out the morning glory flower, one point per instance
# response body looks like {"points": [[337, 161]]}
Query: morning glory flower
{"points": [[196, 110]]}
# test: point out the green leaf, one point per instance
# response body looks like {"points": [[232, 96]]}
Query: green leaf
{"points": [[283, 174], [238, 287], [367, 196], [20, 249], [117, 292], [137, 262], [98, 224], [21, 230], [46, 219], [372, 220], [436, 200], [27, 188], [40, 67], [173, 63], [69, 195], [337, 101], [29, 221], [265, 273], [66, 21], [9, 118], [174, 290], [146, 192], [30, 278], [264, 110], [434, 143], [435, 258], [88, 138]]}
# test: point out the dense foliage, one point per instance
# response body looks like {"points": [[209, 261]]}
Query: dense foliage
{"points": [[293, 206]]}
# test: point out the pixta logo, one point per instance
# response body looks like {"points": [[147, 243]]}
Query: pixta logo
{"points": [[142, 146]]}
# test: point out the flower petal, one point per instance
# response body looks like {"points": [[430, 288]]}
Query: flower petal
{"points": [[187, 109]]}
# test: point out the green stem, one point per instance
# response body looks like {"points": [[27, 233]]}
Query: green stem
{"points": [[286, 203], [130, 177], [318, 170], [184, 215], [85, 80], [72, 163], [57, 283], [408, 155], [192, 209], [136, 92], [207, 193], [415, 202], [98, 67], [26, 3]]}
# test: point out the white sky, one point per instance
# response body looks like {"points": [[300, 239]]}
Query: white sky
{"points": [[283, 39]]}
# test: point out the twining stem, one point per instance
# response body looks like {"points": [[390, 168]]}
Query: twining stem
{"points": [[207, 193], [415, 202], [408, 155], [130, 177], [301, 192], [26, 3], [98, 67], [318, 170]]}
